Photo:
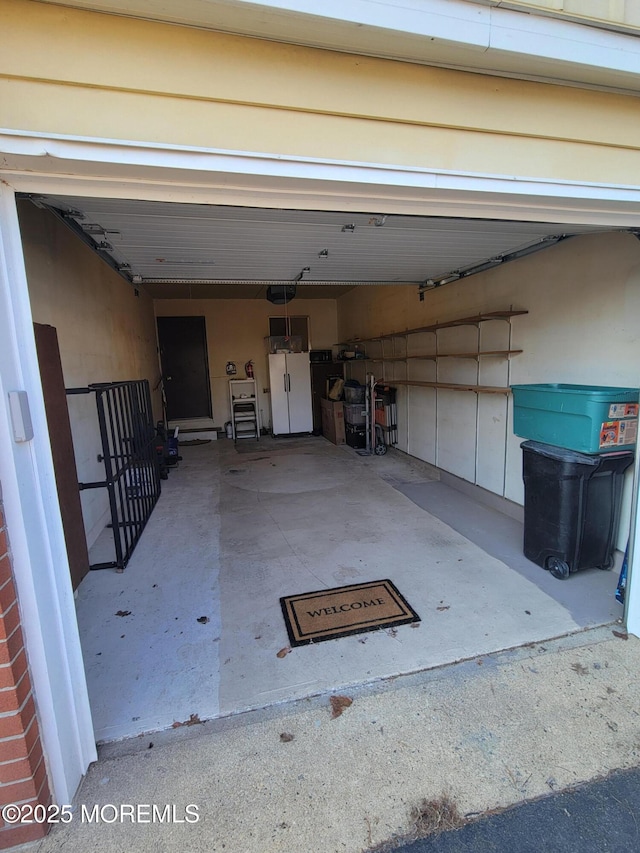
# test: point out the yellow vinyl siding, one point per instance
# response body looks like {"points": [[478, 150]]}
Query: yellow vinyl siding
{"points": [[82, 73]]}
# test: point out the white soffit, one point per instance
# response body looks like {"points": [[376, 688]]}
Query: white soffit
{"points": [[180, 244], [473, 36]]}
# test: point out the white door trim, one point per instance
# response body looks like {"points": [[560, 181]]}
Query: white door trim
{"points": [[39, 163], [36, 536]]}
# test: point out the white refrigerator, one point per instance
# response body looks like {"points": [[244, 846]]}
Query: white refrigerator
{"points": [[290, 380]]}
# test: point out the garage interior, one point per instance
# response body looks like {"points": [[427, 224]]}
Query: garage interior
{"points": [[192, 628]]}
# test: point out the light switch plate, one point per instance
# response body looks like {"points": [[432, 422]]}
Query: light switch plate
{"points": [[20, 416]]}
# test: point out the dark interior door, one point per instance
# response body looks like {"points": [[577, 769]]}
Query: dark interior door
{"points": [[185, 370], [64, 461]]}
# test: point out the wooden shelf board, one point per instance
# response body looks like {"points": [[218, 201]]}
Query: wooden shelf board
{"points": [[447, 324], [494, 353], [451, 386]]}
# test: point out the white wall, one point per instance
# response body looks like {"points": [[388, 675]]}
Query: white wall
{"points": [[583, 303], [105, 334]]}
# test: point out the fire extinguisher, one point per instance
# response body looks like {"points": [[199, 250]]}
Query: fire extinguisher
{"points": [[248, 369]]}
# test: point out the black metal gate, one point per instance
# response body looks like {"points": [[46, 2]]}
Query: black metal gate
{"points": [[132, 473]]}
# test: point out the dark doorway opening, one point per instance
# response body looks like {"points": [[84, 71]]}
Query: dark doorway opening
{"points": [[185, 367]]}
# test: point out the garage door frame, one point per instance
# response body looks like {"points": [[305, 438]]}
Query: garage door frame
{"points": [[41, 164]]}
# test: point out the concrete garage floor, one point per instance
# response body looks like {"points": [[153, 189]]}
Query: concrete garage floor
{"points": [[233, 531]]}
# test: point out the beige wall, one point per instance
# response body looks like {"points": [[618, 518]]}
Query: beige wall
{"points": [[105, 334], [583, 299], [74, 72], [236, 329]]}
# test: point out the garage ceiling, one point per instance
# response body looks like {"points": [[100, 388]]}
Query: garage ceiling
{"points": [[182, 250]]}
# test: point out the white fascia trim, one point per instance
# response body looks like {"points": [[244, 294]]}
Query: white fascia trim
{"points": [[212, 161], [472, 27], [564, 42], [36, 536], [455, 21]]}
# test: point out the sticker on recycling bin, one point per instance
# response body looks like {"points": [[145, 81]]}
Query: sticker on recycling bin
{"points": [[623, 410], [618, 433], [631, 431]]}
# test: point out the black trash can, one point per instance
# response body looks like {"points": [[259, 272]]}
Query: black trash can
{"points": [[571, 507]]}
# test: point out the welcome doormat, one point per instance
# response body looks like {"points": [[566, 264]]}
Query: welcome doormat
{"points": [[331, 613]]}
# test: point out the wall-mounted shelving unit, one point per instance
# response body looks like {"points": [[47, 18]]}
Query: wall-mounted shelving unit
{"points": [[456, 389], [434, 328]]}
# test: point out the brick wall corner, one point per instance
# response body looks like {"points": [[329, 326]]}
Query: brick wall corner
{"points": [[23, 773]]}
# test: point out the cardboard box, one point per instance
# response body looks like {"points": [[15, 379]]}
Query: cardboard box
{"points": [[333, 421]]}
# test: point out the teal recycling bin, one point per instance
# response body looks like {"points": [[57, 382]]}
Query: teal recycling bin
{"points": [[585, 418]]}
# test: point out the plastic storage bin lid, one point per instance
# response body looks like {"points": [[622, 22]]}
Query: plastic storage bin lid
{"points": [[604, 392], [560, 453]]}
